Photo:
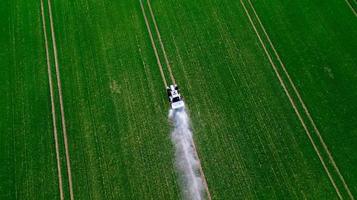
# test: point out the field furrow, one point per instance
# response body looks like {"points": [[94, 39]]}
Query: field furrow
{"points": [[269, 87]]}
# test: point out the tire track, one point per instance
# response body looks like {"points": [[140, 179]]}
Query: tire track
{"points": [[153, 45], [201, 172], [292, 102], [161, 43], [303, 104], [59, 85], [55, 134], [172, 78], [351, 7]]}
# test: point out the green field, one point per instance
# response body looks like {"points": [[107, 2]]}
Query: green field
{"points": [[251, 142], [28, 166]]}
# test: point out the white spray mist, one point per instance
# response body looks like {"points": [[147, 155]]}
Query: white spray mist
{"points": [[186, 161]]}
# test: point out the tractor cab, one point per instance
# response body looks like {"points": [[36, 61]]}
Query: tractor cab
{"points": [[174, 97]]}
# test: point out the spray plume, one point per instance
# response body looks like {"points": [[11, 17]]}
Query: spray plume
{"points": [[186, 161]]}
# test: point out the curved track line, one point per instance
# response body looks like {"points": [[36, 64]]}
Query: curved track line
{"points": [[153, 44], [303, 105], [161, 43], [292, 102], [55, 135], [61, 101]]}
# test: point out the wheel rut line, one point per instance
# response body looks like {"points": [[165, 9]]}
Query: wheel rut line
{"points": [[351, 7], [303, 104], [292, 102], [55, 134], [172, 78], [59, 85], [153, 44], [161, 43]]}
